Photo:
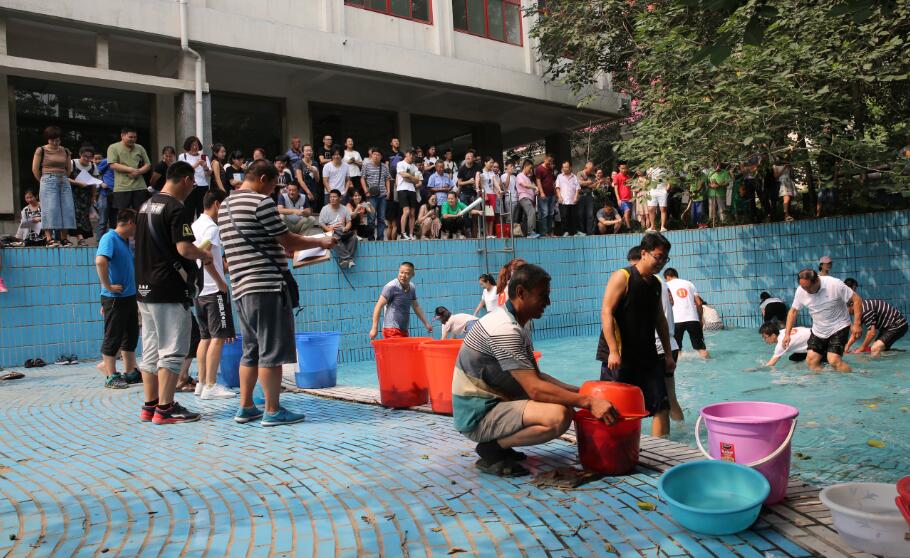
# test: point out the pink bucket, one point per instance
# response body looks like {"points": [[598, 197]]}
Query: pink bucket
{"points": [[753, 433]]}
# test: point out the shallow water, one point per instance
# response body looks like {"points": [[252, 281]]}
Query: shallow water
{"points": [[839, 413]]}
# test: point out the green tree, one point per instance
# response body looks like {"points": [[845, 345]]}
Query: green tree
{"points": [[822, 83]]}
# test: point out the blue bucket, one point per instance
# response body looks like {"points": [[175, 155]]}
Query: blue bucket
{"points": [[229, 369], [317, 359], [714, 497]]}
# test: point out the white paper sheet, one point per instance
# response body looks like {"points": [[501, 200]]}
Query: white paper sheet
{"points": [[86, 178]]}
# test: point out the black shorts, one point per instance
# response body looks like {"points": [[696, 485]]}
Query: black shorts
{"points": [[889, 336], [834, 344], [121, 325], [213, 312], [130, 200], [407, 198], [194, 339], [696, 335], [650, 378], [776, 311], [392, 211]]}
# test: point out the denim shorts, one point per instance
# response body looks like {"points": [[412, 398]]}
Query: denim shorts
{"points": [[57, 209]]}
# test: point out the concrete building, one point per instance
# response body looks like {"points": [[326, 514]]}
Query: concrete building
{"points": [[454, 73]]}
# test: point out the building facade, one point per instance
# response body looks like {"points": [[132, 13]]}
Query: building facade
{"points": [[459, 73]]}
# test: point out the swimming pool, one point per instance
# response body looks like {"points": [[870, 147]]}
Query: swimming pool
{"points": [[839, 413]]}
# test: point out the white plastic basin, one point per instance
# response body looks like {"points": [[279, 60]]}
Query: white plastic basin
{"points": [[867, 518]]}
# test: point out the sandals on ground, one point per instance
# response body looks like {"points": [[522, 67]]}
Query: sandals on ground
{"points": [[12, 376]]}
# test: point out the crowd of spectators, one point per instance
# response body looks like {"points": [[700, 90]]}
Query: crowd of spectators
{"points": [[404, 194]]}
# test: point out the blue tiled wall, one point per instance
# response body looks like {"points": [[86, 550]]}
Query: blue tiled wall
{"points": [[52, 305]]}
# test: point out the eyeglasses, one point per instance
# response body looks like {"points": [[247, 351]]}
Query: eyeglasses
{"points": [[663, 259]]}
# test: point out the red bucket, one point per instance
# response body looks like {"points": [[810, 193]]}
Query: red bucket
{"points": [[503, 230], [439, 362], [604, 448], [401, 372]]}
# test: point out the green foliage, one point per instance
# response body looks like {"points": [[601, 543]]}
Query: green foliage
{"points": [[824, 83]]}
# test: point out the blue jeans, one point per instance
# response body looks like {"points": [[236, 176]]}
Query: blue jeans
{"points": [[698, 212], [101, 210], [57, 210], [379, 205], [546, 210]]}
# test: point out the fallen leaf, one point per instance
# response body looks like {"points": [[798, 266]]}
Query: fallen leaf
{"points": [[872, 405], [646, 506], [455, 550], [875, 443], [905, 409], [436, 529], [366, 519], [389, 516], [424, 456]]}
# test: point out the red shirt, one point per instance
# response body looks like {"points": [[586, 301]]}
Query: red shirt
{"points": [[625, 191], [547, 179]]}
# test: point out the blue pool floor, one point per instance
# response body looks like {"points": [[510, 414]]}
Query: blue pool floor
{"points": [[839, 413]]}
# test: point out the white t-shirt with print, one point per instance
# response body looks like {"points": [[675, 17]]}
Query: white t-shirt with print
{"points": [[683, 293], [400, 183], [828, 307]]}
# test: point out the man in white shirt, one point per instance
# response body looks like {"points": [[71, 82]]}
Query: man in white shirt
{"points": [[686, 312], [354, 162], [407, 179], [335, 174], [454, 326], [799, 342], [213, 305], [567, 191], [826, 298]]}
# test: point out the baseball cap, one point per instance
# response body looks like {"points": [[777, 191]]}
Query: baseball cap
{"points": [[824, 259]]}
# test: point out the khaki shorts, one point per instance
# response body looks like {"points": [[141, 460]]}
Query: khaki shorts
{"points": [[503, 420]]}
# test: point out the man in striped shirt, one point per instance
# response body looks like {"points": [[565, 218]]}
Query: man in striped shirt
{"points": [[882, 319], [500, 398], [254, 239]]}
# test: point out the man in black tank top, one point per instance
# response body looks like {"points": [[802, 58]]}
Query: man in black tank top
{"points": [[631, 313]]}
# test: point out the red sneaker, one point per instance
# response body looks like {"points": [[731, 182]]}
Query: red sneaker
{"points": [[177, 413], [147, 413]]}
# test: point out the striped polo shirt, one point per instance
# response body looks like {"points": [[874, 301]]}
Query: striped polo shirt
{"points": [[257, 216], [883, 316], [494, 347]]}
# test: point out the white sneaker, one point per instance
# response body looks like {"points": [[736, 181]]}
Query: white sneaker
{"points": [[198, 391], [565, 234], [217, 391], [663, 229], [579, 233], [460, 236], [491, 236], [650, 229]]}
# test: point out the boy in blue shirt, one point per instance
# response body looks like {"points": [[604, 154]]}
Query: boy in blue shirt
{"points": [[114, 263]]}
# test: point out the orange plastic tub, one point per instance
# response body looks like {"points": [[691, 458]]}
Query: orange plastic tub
{"points": [[439, 361], [401, 372]]}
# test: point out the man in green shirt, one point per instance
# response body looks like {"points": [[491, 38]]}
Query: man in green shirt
{"points": [[129, 161], [452, 220], [717, 194]]}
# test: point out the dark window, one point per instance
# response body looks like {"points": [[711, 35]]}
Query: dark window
{"points": [[368, 127], [418, 10], [499, 20], [246, 122], [86, 114]]}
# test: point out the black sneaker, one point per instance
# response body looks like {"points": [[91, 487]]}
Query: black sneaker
{"points": [[134, 377], [115, 381], [177, 413]]}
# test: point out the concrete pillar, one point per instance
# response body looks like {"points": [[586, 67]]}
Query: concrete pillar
{"points": [[443, 26], [488, 139], [7, 153], [102, 56], [297, 110], [404, 130], [560, 145], [163, 127], [529, 44], [185, 124], [2, 35]]}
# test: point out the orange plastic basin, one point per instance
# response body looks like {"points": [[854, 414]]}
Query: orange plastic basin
{"points": [[439, 362], [609, 449], [401, 373]]}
